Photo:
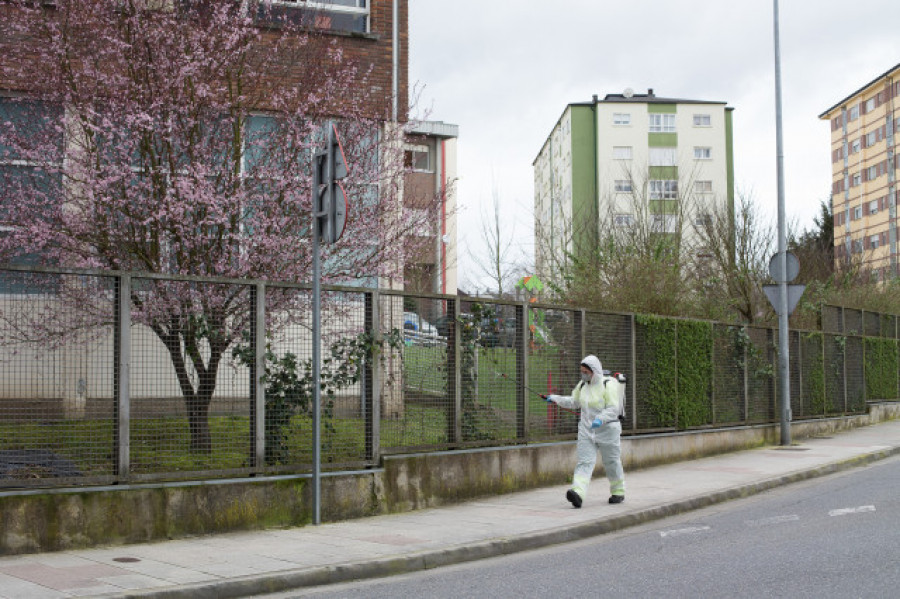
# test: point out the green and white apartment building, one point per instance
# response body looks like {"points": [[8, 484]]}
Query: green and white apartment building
{"points": [[630, 161]]}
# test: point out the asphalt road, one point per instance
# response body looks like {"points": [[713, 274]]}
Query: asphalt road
{"points": [[837, 536]]}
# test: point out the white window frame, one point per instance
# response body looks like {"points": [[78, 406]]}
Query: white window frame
{"points": [[663, 189], [874, 241], [702, 120], [360, 8], [416, 151], [623, 186], [854, 112], [702, 153], [871, 139], [857, 213], [622, 152], [622, 119], [873, 207], [623, 220], [855, 180], [664, 223], [701, 187], [662, 122], [870, 104], [663, 156], [855, 146]]}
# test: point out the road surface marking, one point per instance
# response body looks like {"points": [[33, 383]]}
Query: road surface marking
{"points": [[773, 520], [682, 531], [852, 510]]}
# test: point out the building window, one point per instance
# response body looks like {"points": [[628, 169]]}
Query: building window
{"points": [[32, 176], [663, 189], [857, 213], [336, 15], [871, 173], [703, 186], [418, 159], [623, 220], [854, 112], [874, 240], [623, 185], [664, 223], [621, 118], [702, 153], [622, 152], [870, 104], [871, 140], [873, 207], [662, 157], [662, 123], [855, 146], [702, 120], [703, 220]]}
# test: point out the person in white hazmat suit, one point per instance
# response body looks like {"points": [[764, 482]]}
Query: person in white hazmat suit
{"points": [[599, 429]]}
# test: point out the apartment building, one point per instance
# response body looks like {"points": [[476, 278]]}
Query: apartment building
{"points": [[629, 160], [431, 157], [864, 164]]}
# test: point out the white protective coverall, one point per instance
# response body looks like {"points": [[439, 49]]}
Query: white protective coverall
{"points": [[598, 398]]}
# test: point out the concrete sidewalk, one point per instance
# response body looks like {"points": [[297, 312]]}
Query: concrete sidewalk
{"points": [[242, 564]]}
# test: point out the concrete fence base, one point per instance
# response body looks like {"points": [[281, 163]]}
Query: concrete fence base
{"points": [[51, 520]]}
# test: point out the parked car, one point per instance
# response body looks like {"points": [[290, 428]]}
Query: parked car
{"points": [[418, 330]]}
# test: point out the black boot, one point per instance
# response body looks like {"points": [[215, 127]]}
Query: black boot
{"points": [[573, 497], [616, 498]]}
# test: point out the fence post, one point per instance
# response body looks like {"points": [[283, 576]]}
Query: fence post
{"points": [[844, 357], [632, 382], [454, 375], [122, 375], [258, 374], [800, 371], [372, 378], [522, 370], [746, 363]]}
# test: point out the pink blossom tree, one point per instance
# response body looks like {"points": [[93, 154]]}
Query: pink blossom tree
{"points": [[176, 137]]}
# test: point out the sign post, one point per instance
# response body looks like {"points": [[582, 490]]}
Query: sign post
{"points": [[329, 217]]}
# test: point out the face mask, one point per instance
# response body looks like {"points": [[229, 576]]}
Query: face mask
{"points": [[586, 377]]}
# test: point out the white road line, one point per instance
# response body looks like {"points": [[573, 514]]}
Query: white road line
{"points": [[682, 531], [773, 520], [852, 510]]}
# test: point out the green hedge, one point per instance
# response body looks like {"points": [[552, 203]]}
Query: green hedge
{"points": [[881, 368]]}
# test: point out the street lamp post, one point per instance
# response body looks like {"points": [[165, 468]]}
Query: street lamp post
{"points": [[783, 348]]}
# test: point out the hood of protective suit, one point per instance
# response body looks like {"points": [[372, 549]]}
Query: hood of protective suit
{"points": [[593, 362]]}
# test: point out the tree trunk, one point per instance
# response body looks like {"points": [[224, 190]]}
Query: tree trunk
{"points": [[198, 421]]}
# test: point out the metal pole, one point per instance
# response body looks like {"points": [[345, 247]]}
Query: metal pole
{"points": [[317, 347], [783, 357]]}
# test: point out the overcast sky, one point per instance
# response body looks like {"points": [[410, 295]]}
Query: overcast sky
{"points": [[505, 70]]}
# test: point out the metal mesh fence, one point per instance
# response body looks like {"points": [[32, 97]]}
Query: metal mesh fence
{"points": [[729, 394], [656, 378], [812, 376], [417, 407], [853, 321], [855, 399], [832, 320], [399, 372], [554, 345], [57, 412], [608, 336], [835, 378], [761, 367], [190, 407]]}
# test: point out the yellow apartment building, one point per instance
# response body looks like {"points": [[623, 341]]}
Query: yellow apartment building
{"points": [[864, 164]]}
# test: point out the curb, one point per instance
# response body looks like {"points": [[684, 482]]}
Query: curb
{"points": [[425, 560]]}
